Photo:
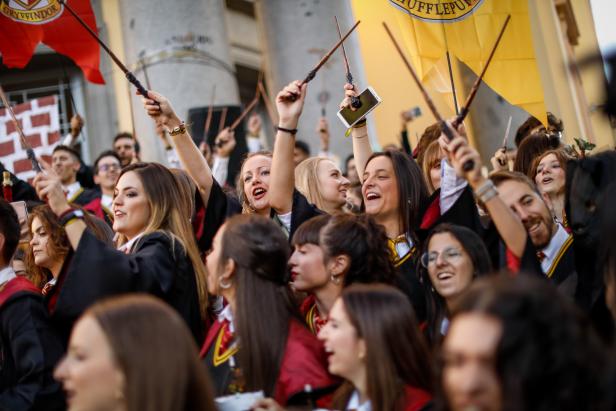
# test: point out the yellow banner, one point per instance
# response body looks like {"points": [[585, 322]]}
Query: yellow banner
{"points": [[468, 30]]}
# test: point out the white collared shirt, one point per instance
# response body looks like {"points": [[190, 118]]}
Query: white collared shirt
{"points": [[404, 247], [553, 248], [452, 186], [106, 201], [6, 274], [227, 314], [355, 405], [220, 169], [71, 189], [128, 246]]}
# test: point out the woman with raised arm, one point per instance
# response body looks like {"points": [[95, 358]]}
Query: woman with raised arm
{"points": [[215, 205], [254, 180], [259, 341], [157, 253]]}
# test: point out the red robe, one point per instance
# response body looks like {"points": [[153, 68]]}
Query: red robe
{"points": [[416, 398], [304, 362]]}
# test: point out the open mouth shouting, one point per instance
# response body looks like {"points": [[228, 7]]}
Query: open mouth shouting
{"points": [[258, 193]]}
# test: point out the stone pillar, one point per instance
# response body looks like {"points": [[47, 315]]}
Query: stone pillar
{"points": [[185, 48], [294, 32]]}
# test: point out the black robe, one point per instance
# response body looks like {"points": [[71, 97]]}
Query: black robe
{"points": [[83, 196], [222, 206], [29, 351], [157, 265]]}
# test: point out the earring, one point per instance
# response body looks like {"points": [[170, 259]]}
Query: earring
{"points": [[334, 278], [224, 285]]}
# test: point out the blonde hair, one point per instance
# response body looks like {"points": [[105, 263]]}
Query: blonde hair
{"points": [[246, 207], [307, 182], [431, 156], [168, 207]]}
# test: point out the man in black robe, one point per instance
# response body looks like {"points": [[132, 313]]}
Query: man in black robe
{"points": [[552, 243], [65, 162], [29, 349]]}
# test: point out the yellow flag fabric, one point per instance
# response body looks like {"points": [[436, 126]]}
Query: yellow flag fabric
{"points": [[513, 72], [468, 30]]}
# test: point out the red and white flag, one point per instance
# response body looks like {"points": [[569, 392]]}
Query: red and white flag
{"points": [[40, 122]]}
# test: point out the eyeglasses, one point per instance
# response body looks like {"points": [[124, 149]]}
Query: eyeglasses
{"points": [[448, 255], [108, 167]]}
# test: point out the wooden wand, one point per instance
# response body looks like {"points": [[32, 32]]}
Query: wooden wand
{"points": [[355, 102], [129, 75], [24, 143], [467, 166], [471, 95], [312, 73]]}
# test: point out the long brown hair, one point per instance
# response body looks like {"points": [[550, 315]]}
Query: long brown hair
{"points": [[58, 245], [396, 353], [156, 352], [412, 190], [264, 303], [168, 205]]}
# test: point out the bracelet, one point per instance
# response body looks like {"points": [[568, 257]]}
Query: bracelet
{"points": [[293, 131], [360, 124], [486, 186], [181, 129], [490, 194], [71, 215], [486, 191], [64, 214]]}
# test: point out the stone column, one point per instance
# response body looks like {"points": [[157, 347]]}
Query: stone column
{"points": [[185, 48], [296, 34]]}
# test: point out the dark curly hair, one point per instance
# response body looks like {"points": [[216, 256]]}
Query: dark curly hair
{"points": [[365, 243], [474, 246], [549, 357]]}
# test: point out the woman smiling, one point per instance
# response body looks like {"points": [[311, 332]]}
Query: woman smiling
{"points": [[157, 252], [454, 256]]}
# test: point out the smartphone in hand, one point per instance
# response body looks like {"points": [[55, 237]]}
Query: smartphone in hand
{"points": [[369, 100]]}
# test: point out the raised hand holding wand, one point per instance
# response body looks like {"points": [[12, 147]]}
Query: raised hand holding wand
{"points": [[445, 128], [471, 95], [312, 73], [355, 102]]}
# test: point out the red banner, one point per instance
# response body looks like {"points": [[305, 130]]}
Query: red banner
{"points": [[25, 23]]}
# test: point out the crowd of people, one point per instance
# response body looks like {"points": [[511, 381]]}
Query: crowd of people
{"points": [[403, 281]]}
